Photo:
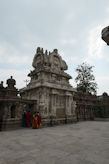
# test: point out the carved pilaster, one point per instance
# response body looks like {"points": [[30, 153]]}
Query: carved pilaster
{"points": [[53, 105]]}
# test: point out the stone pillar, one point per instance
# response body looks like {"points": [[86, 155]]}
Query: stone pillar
{"points": [[44, 103], [68, 104], [7, 111], [41, 102], [53, 102], [53, 105]]}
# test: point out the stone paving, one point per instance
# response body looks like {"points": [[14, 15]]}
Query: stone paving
{"points": [[80, 143]]}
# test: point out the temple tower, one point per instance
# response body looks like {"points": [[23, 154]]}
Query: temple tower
{"points": [[49, 85]]}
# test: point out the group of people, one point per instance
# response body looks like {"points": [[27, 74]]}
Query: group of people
{"points": [[28, 120]]}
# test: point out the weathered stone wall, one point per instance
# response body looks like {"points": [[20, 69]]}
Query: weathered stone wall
{"points": [[86, 105], [12, 106], [102, 110], [11, 111]]}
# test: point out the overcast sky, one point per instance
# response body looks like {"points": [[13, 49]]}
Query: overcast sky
{"points": [[72, 26]]}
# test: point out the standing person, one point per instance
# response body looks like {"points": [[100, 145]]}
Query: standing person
{"points": [[35, 121], [28, 119], [39, 121], [24, 119]]}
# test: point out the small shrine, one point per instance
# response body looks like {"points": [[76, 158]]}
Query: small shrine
{"points": [[50, 86]]}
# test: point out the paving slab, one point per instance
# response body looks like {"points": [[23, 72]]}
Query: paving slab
{"points": [[81, 143]]}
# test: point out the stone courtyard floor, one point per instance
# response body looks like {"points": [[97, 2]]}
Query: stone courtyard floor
{"points": [[80, 143]]}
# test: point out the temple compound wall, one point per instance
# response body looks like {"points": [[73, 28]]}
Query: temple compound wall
{"points": [[12, 106], [90, 107], [49, 85], [86, 105], [102, 110]]}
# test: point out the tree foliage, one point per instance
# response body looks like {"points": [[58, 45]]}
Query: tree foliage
{"points": [[85, 79]]}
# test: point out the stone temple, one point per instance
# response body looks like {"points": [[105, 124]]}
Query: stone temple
{"points": [[49, 86], [49, 93]]}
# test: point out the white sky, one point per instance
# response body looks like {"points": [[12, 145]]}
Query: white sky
{"points": [[72, 26]]}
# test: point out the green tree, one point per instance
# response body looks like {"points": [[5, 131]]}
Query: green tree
{"points": [[85, 79]]}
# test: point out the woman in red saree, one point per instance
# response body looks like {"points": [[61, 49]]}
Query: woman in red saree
{"points": [[39, 121], [28, 119]]}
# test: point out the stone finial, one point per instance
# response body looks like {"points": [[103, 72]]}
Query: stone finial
{"points": [[1, 84], [38, 49], [46, 52], [104, 94], [42, 50], [56, 51], [11, 82]]}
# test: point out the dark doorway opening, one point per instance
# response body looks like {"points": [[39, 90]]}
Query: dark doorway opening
{"points": [[13, 111]]}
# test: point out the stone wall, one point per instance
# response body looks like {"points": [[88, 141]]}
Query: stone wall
{"points": [[102, 111], [86, 105], [12, 106]]}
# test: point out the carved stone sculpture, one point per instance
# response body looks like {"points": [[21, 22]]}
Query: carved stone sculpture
{"points": [[105, 34]]}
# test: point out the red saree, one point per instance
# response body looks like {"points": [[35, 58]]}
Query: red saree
{"points": [[39, 121], [28, 119]]}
